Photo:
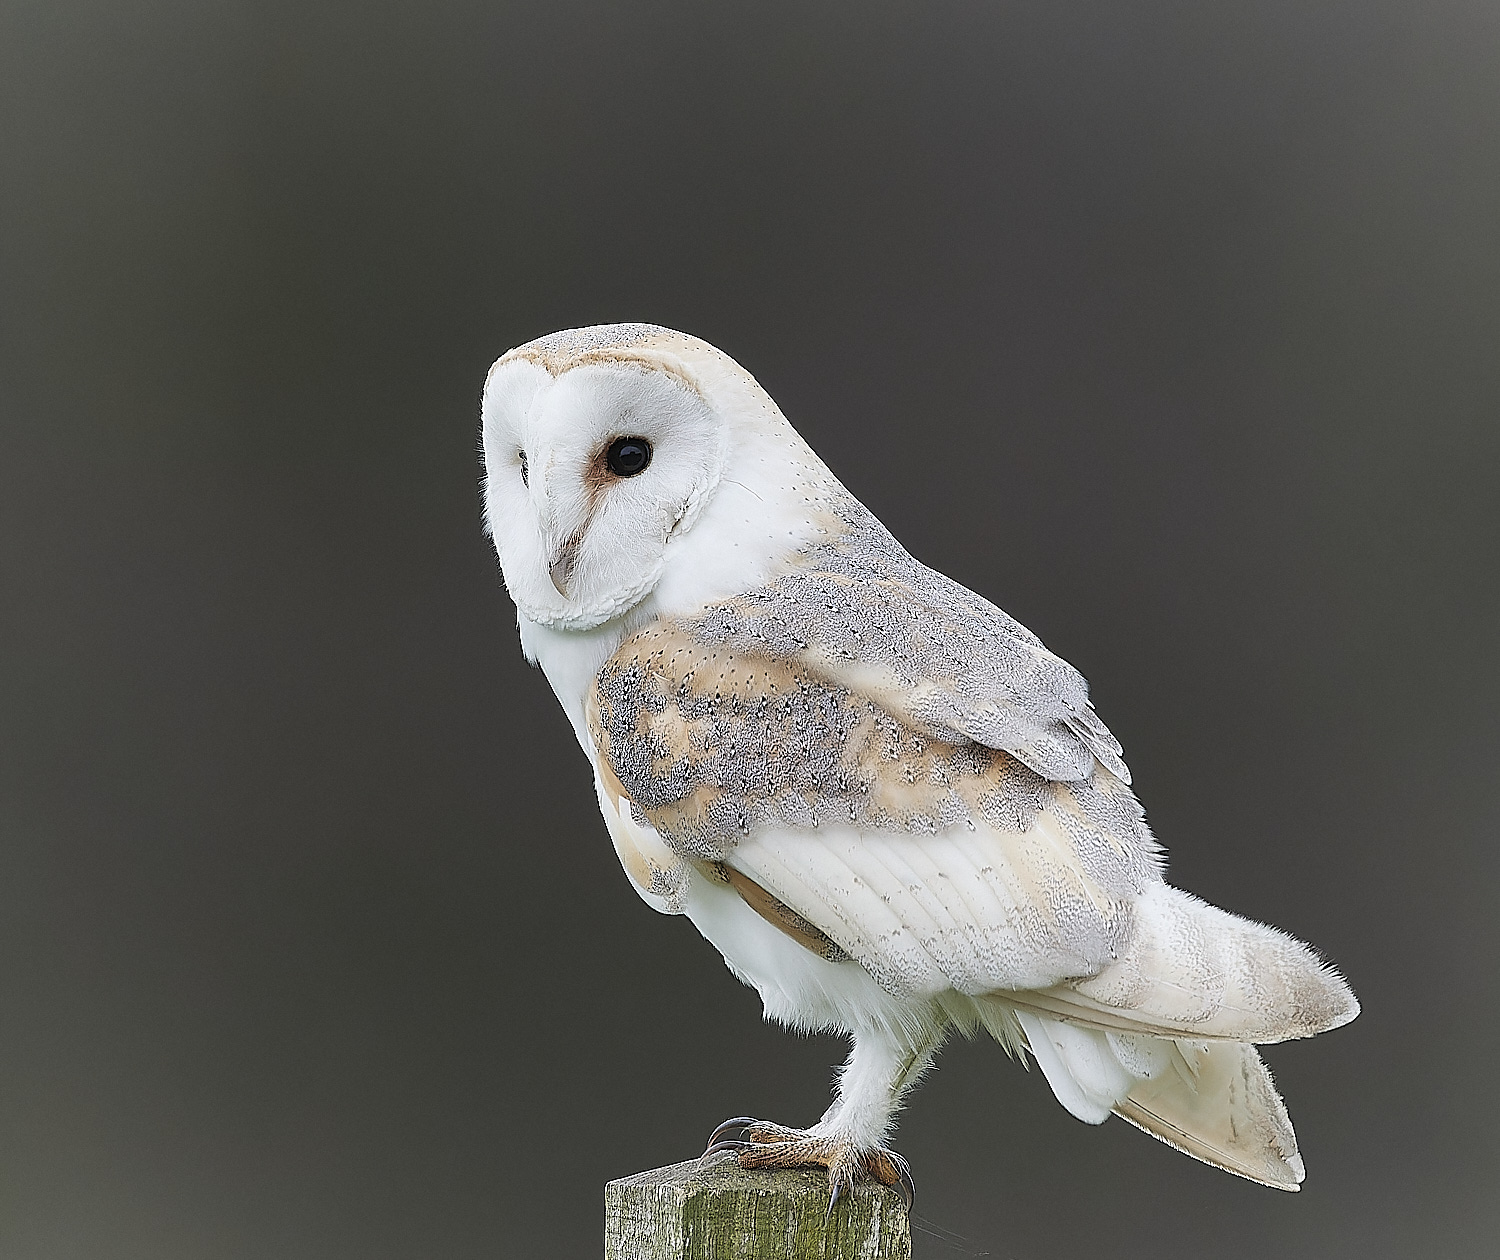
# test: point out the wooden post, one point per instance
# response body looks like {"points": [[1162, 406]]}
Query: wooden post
{"points": [[718, 1211]]}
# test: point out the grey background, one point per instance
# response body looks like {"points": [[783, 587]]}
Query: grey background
{"points": [[1170, 327]]}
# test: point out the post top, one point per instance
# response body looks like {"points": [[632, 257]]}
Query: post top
{"points": [[717, 1210]]}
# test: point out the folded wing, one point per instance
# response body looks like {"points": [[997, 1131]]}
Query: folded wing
{"points": [[936, 864]]}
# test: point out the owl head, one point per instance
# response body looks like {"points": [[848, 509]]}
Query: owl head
{"points": [[604, 448]]}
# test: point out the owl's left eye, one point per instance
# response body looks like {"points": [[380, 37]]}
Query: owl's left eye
{"points": [[521, 455], [627, 456]]}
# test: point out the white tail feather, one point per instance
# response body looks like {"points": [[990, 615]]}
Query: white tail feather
{"points": [[1230, 1115], [1213, 1100], [1079, 1064]]}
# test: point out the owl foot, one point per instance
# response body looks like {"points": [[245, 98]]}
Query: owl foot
{"points": [[767, 1145]]}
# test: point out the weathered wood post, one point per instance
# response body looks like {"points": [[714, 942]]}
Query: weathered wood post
{"points": [[718, 1211]]}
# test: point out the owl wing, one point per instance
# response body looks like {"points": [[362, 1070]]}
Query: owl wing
{"points": [[936, 865], [860, 612]]}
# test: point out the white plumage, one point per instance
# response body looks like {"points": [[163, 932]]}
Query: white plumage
{"points": [[890, 808]]}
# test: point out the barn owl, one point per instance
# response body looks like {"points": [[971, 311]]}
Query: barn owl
{"points": [[888, 806]]}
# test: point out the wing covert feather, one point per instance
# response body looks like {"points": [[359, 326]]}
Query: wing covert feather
{"points": [[859, 611]]}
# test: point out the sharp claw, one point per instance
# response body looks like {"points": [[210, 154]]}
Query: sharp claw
{"points": [[906, 1186], [838, 1193], [716, 1147], [739, 1122]]}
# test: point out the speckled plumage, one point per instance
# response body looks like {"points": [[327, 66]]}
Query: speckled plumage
{"points": [[954, 664], [712, 747], [887, 804]]}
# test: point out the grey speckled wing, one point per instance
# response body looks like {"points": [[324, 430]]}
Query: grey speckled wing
{"points": [[832, 804], [859, 610]]}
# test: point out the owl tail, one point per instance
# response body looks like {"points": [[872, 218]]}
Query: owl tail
{"points": [[1213, 1100]]}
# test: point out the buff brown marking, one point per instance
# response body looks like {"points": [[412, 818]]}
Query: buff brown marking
{"points": [[710, 742], [640, 347]]}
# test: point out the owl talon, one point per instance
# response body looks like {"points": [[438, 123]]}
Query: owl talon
{"points": [[770, 1146], [906, 1185], [728, 1145], [739, 1122]]}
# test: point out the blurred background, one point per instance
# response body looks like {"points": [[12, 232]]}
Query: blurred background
{"points": [[1171, 328]]}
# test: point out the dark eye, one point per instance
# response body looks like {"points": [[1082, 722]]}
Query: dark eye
{"points": [[524, 481], [627, 456]]}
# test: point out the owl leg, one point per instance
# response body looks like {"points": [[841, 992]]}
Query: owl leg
{"points": [[849, 1141]]}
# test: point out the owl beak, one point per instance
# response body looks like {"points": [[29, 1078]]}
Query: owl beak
{"points": [[560, 568]]}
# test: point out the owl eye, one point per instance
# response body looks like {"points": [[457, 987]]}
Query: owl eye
{"points": [[522, 456], [627, 456]]}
